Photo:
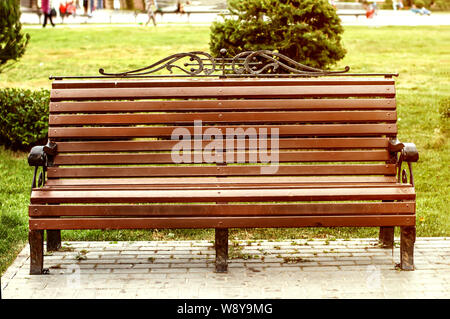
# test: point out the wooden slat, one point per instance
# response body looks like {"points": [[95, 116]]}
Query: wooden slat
{"points": [[220, 222], [285, 143], [217, 186], [247, 170], [133, 83], [222, 105], [206, 210], [284, 130], [235, 117], [245, 157], [39, 196], [267, 180], [226, 91]]}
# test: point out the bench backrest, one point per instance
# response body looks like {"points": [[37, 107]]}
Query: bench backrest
{"points": [[327, 127]]}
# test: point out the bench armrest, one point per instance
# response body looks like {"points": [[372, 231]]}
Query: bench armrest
{"points": [[408, 154], [37, 156], [408, 151], [41, 156]]}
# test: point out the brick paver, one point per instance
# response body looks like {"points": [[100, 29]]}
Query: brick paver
{"points": [[355, 268]]}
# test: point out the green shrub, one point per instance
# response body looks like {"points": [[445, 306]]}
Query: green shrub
{"points": [[307, 31], [23, 117]]}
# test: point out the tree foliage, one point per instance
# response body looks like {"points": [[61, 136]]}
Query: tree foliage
{"points": [[308, 31], [12, 41]]}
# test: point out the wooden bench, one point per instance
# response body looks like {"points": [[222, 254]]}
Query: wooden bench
{"points": [[109, 163]]}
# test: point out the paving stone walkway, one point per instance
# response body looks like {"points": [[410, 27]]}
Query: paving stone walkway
{"points": [[127, 18], [356, 268]]}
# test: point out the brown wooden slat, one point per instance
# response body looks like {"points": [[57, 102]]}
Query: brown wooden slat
{"points": [[220, 186], [39, 196], [284, 130], [220, 222], [223, 117], [399, 208], [166, 158], [226, 91], [284, 143], [286, 170], [267, 180], [133, 83], [222, 105]]}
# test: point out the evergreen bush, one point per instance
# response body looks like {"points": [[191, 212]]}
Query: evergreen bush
{"points": [[307, 31], [12, 41], [23, 117]]}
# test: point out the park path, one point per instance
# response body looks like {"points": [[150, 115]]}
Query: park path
{"points": [[298, 269], [127, 19]]}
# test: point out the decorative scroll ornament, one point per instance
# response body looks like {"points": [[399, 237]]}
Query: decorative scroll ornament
{"points": [[271, 62], [249, 63], [262, 63], [197, 65]]}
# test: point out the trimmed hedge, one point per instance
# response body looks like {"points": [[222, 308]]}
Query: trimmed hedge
{"points": [[23, 117]]}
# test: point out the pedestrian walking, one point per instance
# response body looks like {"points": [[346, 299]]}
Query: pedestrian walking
{"points": [[151, 9], [46, 11]]}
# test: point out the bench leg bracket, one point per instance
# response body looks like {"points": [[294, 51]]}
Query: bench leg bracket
{"points": [[221, 245], [53, 240], [386, 238], [36, 240], [407, 239]]}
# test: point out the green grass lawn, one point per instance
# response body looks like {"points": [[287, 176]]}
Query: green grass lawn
{"points": [[420, 54]]}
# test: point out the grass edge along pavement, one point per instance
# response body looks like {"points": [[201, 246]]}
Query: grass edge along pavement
{"points": [[423, 95]]}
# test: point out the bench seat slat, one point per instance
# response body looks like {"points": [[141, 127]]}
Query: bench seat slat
{"points": [[73, 84], [166, 158], [166, 171], [167, 145], [270, 180], [226, 91], [222, 105], [39, 196], [235, 117], [221, 222], [219, 186], [367, 208], [166, 131]]}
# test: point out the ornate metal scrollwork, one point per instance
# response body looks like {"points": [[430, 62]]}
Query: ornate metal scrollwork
{"points": [[197, 65], [249, 63], [262, 63], [272, 62]]}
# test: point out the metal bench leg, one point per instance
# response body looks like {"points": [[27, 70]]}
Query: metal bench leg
{"points": [[407, 239], [53, 240], [221, 245], [387, 236], [36, 240]]}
